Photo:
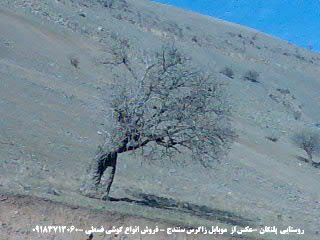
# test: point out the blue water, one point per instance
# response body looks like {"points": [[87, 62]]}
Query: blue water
{"points": [[296, 21]]}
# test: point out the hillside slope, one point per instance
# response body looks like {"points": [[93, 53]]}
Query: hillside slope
{"points": [[52, 113]]}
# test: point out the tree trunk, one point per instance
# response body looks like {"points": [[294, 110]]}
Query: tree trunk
{"points": [[100, 175], [107, 180], [310, 156]]}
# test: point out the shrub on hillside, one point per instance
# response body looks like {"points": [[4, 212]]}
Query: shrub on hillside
{"points": [[251, 76], [309, 141], [227, 71]]}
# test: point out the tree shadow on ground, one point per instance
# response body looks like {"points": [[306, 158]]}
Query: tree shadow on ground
{"points": [[313, 163], [192, 209], [302, 159]]}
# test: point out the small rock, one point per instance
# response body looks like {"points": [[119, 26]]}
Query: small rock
{"points": [[53, 192], [45, 168], [4, 225]]}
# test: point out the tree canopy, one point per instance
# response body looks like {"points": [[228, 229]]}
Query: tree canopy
{"points": [[173, 106]]}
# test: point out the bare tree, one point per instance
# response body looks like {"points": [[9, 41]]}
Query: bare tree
{"points": [[309, 141], [173, 108], [111, 3], [120, 55]]}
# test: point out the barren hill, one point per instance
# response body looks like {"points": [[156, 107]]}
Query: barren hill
{"points": [[54, 85]]}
